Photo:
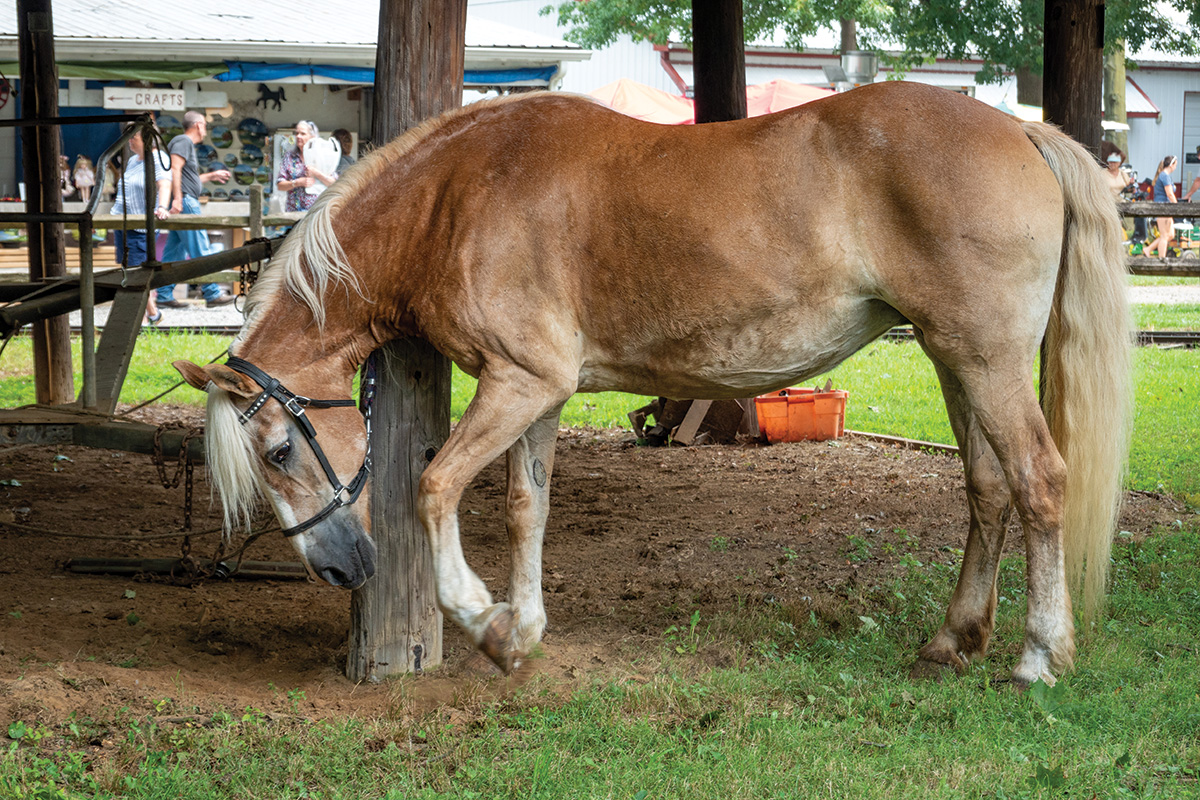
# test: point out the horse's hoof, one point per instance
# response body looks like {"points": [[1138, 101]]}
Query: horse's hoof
{"points": [[926, 670], [1023, 682], [497, 637]]}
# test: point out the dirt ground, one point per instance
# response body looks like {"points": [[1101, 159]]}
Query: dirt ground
{"points": [[638, 538]]}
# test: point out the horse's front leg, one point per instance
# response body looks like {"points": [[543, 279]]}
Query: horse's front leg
{"points": [[530, 465], [499, 414]]}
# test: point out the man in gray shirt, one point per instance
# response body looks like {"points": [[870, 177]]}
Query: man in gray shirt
{"points": [[186, 184]]}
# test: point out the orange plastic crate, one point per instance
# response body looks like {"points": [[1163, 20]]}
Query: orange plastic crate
{"points": [[793, 415]]}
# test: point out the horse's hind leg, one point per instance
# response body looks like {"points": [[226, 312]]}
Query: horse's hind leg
{"points": [[530, 465], [997, 381], [970, 617]]}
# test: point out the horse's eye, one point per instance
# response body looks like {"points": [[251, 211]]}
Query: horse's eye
{"points": [[280, 454]]}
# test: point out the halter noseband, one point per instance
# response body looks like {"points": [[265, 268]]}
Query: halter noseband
{"points": [[295, 405]]}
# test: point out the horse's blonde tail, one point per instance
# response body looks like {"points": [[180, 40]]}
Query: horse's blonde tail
{"points": [[1086, 390]]}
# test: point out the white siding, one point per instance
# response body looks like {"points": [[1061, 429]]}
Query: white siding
{"points": [[1150, 140], [638, 61]]}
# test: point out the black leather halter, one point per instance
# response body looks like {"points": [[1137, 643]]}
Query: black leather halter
{"points": [[295, 405]]}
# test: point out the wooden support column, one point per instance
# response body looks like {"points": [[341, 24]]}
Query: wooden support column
{"points": [[52, 373], [418, 74], [1073, 81], [720, 60], [718, 44]]}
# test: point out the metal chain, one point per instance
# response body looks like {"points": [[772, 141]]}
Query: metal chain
{"points": [[184, 469], [188, 470]]}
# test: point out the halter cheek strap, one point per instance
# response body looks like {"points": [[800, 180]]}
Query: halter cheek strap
{"points": [[295, 404]]}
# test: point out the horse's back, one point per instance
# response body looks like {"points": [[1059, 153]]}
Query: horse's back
{"points": [[746, 254]]}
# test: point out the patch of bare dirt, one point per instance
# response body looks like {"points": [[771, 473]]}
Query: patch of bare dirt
{"points": [[638, 538]]}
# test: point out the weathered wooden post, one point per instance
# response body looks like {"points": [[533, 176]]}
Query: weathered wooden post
{"points": [[720, 60], [1073, 81], [718, 42], [395, 625], [52, 373]]}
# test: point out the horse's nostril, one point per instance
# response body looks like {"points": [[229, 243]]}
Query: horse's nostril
{"points": [[334, 576]]}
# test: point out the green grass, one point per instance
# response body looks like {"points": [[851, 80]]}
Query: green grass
{"points": [[1182, 317], [1160, 280], [893, 390], [808, 706]]}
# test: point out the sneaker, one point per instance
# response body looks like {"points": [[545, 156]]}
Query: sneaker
{"points": [[223, 299], [157, 318], [172, 303]]}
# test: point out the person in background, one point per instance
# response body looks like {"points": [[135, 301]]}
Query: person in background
{"points": [[131, 200], [347, 142], [295, 176], [1164, 192], [1118, 179], [186, 184], [1187, 196]]}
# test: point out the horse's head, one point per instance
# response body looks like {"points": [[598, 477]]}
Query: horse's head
{"points": [[259, 441]]}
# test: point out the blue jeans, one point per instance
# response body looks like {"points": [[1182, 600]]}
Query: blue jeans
{"points": [[136, 242], [183, 245]]}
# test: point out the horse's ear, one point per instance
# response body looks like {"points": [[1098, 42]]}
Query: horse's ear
{"points": [[195, 376], [220, 375]]}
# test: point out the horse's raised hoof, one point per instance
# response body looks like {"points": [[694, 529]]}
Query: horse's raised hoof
{"points": [[497, 643], [926, 670]]}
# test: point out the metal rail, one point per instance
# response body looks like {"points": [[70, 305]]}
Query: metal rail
{"points": [[1144, 338]]}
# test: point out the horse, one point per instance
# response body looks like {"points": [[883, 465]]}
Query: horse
{"points": [[266, 97], [515, 237]]}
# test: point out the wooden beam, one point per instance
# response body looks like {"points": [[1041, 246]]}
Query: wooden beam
{"points": [[418, 74], [53, 374]]}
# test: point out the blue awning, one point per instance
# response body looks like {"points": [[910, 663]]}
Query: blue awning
{"points": [[251, 71]]}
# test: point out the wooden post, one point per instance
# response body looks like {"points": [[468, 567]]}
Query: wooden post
{"points": [[720, 85], [1114, 96], [1073, 82], [418, 74], [256, 211], [53, 375], [720, 60]]}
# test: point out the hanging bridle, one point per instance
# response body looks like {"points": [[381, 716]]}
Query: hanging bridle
{"points": [[295, 405]]}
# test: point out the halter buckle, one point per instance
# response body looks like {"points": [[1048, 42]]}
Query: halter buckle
{"points": [[295, 405]]}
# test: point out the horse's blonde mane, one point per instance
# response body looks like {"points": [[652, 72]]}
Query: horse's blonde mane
{"points": [[235, 476], [311, 259]]}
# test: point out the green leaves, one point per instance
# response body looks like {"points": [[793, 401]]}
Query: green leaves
{"points": [[1007, 35]]}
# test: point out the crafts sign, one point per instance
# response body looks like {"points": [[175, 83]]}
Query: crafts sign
{"points": [[133, 99]]}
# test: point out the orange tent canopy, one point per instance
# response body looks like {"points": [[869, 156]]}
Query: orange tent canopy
{"points": [[654, 105]]}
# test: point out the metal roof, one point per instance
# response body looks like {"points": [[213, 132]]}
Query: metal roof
{"points": [[298, 30]]}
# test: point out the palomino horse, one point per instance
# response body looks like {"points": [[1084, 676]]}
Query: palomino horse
{"points": [[515, 236]]}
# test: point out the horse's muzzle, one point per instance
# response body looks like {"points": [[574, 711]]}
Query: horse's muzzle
{"points": [[341, 553]]}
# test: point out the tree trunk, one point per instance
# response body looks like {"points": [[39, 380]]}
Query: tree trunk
{"points": [[849, 36], [395, 622], [1074, 59], [1114, 95], [1029, 87], [53, 376], [720, 60]]}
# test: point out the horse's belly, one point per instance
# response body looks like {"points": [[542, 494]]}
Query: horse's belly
{"points": [[739, 361]]}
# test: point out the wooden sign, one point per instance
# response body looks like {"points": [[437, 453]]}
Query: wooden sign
{"points": [[136, 99]]}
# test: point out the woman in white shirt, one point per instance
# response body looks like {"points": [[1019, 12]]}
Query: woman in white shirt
{"points": [[131, 200]]}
